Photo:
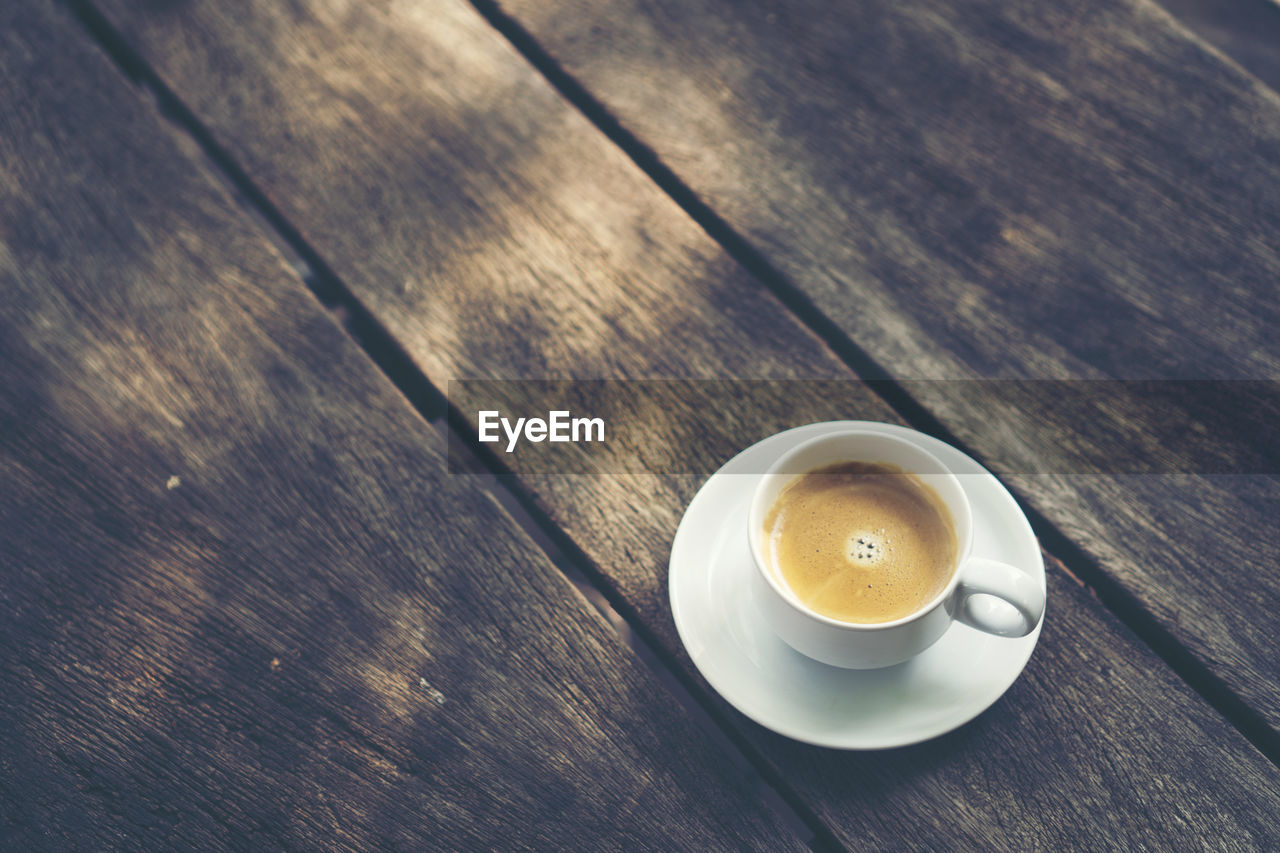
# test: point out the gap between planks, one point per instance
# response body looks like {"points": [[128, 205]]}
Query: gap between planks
{"points": [[577, 570], [432, 405]]}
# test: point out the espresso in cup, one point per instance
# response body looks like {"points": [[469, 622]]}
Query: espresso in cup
{"points": [[885, 599], [861, 542]]}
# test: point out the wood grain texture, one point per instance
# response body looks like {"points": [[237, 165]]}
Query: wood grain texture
{"points": [[495, 233], [1245, 31], [982, 190], [242, 603]]}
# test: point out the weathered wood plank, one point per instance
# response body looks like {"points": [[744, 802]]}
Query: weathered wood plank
{"points": [[243, 605], [978, 190], [495, 233]]}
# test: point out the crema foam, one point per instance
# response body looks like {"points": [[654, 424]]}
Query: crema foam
{"points": [[861, 542]]}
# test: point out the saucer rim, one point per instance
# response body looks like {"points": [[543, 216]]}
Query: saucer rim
{"points": [[1017, 518]]}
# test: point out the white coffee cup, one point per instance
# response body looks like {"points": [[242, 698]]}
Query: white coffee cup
{"points": [[854, 645]]}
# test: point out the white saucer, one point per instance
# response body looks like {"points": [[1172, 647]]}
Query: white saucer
{"points": [[944, 687]]}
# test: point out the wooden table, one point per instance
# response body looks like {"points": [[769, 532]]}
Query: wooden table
{"points": [[248, 600]]}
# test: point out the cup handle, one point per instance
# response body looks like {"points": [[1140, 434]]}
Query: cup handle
{"points": [[1010, 584]]}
